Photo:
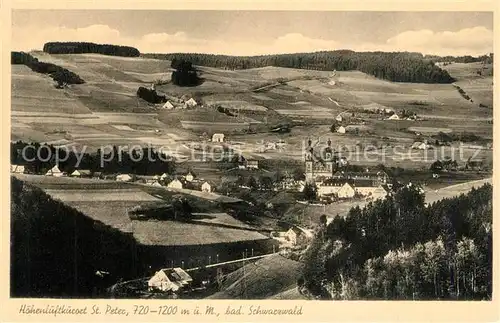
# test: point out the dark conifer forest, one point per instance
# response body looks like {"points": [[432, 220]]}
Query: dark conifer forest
{"points": [[399, 248], [85, 47], [397, 66]]}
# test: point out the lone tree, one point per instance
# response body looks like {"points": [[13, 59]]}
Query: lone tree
{"points": [[310, 191], [185, 74]]}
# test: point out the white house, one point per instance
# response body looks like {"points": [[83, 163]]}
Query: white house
{"points": [[168, 105], [190, 103], [394, 117], [297, 235], [81, 173], [123, 178], [171, 279], [346, 191], [206, 187], [189, 177], [163, 176], [218, 137], [18, 169], [339, 118], [341, 129], [54, 171], [175, 184]]}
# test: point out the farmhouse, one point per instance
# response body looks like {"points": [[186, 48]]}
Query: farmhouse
{"points": [[298, 236], [168, 105], [171, 279], [163, 176], [394, 117], [175, 184], [206, 187], [123, 178], [189, 177], [218, 137], [339, 118], [341, 129], [85, 173], [190, 103], [18, 169], [54, 171]]}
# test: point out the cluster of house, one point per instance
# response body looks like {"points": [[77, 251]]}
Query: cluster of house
{"points": [[191, 103], [169, 280], [373, 185]]}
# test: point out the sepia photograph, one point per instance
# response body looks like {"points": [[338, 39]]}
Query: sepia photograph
{"points": [[251, 155]]}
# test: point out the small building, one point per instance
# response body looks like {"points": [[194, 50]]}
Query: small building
{"points": [[168, 105], [189, 177], [218, 137], [175, 184], [123, 178], [341, 129], [163, 176], [339, 118], [17, 169], [420, 145], [394, 117], [81, 173], [298, 236], [170, 279], [191, 103], [206, 187], [54, 171], [252, 164]]}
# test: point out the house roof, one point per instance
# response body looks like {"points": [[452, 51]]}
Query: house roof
{"points": [[301, 231]]}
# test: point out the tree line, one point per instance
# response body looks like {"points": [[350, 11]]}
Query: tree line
{"points": [[86, 47], [37, 159], [487, 59], [400, 249], [392, 66], [57, 73]]}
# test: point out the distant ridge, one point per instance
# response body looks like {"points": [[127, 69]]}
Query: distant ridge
{"points": [[85, 47], [392, 66]]}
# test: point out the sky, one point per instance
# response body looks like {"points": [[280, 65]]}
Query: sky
{"points": [[259, 32]]}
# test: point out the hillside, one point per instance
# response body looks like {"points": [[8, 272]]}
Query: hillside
{"points": [[244, 104], [262, 279]]}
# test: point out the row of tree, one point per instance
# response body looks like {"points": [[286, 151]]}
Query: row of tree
{"points": [[86, 47], [38, 158], [400, 249], [57, 73], [394, 66]]}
